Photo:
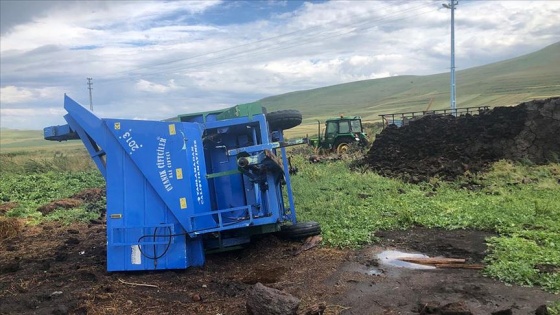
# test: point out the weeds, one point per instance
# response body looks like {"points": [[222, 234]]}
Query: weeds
{"points": [[519, 201], [33, 179]]}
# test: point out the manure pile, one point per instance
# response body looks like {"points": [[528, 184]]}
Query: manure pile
{"points": [[448, 146]]}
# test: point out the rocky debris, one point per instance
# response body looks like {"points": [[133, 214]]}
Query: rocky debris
{"points": [[542, 310], [263, 300], [460, 308], [455, 308], [506, 311], [196, 297], [316, 309], [448, 146]]}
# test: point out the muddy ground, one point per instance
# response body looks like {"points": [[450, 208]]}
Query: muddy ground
{"points": [[55, 269]]}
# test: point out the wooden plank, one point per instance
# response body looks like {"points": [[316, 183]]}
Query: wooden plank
{"points": [[462, 266], [432, 260]]}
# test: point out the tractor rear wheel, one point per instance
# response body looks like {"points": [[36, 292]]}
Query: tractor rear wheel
{"points": [[341, 146], [284, 119], [301, 230]]}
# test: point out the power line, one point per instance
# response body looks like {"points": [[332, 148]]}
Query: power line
{"points": [[89, 83]]}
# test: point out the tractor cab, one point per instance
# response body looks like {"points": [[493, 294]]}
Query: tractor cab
{"points": [[339, 133]]}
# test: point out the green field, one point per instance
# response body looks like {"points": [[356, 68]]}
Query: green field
{"points": [[32, 140]]}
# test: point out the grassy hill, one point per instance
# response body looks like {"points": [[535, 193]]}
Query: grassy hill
{"points": [[12, 141], [509, 82]]}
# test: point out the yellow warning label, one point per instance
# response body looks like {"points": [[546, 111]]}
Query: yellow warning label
{"points": [[183, 202], [179, 173], [172, 129], [117, 126]]}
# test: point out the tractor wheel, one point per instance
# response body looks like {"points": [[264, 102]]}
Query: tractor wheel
{"points": [[300, 230], [341, 146], [283, 119]]}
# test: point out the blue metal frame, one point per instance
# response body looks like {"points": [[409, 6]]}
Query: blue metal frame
{"points": [[172, 184]]}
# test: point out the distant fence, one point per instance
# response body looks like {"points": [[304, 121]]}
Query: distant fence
{"points": [[402, 119]]}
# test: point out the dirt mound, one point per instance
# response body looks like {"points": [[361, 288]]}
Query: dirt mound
{"points": [[448, 146], [91, 197], [7, 206], [57, 204], [9, 227]]}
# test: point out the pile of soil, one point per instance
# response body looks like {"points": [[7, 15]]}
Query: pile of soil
{"points": [[448, 146], [94, 198]]}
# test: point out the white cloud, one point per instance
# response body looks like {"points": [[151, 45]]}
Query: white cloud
{"points": [[14, 95], [151, 52], [147, 86], [31, 118], [26, 112]]}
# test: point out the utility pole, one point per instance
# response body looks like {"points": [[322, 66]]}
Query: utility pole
{"points": [[89, 83], [451, 5]]}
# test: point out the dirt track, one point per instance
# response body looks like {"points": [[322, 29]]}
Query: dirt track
{"points": [[53, 269]]}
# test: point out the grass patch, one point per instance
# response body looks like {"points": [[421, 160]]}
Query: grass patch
{"points": [[521, 202], [554, 308], [68, 216], [30, 191]]}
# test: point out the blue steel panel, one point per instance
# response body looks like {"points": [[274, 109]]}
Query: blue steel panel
{"points": [[86, 120], [135, 212], [59, 133], [170, 157], [91, 146], [229, 190]]}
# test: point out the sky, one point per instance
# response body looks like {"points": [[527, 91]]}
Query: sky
{"points": [[158, 59]]}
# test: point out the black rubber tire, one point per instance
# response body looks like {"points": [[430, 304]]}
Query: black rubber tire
{"points": [[301, 230], [284, 119], [339, 142]]}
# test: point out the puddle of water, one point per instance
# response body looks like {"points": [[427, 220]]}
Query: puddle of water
{"points": [[390, 258], [355, 267], [374, 272]]}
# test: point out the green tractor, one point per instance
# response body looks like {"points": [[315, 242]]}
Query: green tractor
{"points": [[339, 134]]}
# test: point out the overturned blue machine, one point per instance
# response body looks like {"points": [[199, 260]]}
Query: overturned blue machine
{"points": [[194, 183]]}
